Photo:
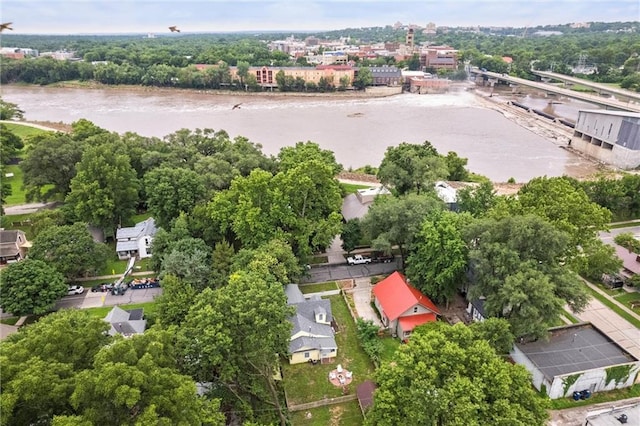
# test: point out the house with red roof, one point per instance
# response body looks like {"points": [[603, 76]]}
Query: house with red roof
{"points": [[402, 306]]}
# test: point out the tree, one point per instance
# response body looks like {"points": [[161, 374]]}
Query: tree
{"points": [[10, 111], [236, 341], [438, 258], [134, 381], [170, 191], [477, 200], [273, 261], [456, 166], [30, 287], [363, 78], [412, 168], [105, 190], [393, 221], [40, 362], [10, 144], [449, 375], [300, 205], [190, 261], [243, 71], [5, 189], [564, 204], [175, 301], [351, 235], [497, 332], [221, 261], [50, 165], [70, 249], [518, 264], [291, 156]]}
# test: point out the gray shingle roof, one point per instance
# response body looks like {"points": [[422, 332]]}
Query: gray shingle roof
{"points": [[304, 320]]}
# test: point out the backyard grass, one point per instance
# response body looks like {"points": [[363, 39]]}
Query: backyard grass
{"points": [[346, 414], [307, 383], [138, 218], [10, 320], [596, 398], [317, 288], [613, 306], [389, 347]]}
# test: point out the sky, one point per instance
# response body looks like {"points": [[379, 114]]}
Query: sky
{"points": [[154, 16]]}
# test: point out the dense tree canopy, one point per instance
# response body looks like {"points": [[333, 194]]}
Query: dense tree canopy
{"points": [[393, 221], [438, 256], [517, 264], [412, 168], [450, 375], [70, 249], [233, 336], [30, 287], [104, 192]]}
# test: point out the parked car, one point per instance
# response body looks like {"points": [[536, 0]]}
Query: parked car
{"points": [[102, 287], [358, 259], [75, 289]]}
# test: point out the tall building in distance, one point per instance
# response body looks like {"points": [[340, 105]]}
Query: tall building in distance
{"points": [[410, 42]]}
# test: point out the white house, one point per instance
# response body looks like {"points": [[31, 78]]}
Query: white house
{"points": [[312, 335], [136, 241], [576, 357]]}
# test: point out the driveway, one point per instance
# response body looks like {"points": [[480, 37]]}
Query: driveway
{"points": [[362, 299]]}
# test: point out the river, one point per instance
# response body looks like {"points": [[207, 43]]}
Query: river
{"points": [[357, 130]]}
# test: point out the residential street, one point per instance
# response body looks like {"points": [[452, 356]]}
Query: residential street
{"points": [[88, 299], [323, 273]]}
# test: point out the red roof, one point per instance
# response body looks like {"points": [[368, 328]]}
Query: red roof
{"points": [[412, 321], [396, 296]]}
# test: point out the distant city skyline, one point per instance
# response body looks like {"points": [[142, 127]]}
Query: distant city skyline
{"points": [[155, 16]]}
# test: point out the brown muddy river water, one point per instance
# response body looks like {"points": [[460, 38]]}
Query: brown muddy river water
{"points": [[358, 131]]}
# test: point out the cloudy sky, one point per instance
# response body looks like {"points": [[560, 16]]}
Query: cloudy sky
{"points": [[144, 16]]}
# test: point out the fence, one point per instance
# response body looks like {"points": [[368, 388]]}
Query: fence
{"points": [[323, 402]]}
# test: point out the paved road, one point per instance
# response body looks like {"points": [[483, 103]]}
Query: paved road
{"points": [[324, 273], [88, 299]]}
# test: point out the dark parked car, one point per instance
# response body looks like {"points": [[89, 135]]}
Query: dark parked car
{"points": [[102, 287]]}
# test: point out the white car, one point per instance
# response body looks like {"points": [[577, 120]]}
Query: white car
{"points": [[75, 289]]}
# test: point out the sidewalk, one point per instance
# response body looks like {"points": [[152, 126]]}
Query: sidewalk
{"points": [[620, 305]]}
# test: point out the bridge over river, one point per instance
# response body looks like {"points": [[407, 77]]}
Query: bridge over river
{"points": [[608, 103]]}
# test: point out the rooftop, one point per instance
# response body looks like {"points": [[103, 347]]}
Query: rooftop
{"points": [[574, 348], [396, 296], [611, 416]]}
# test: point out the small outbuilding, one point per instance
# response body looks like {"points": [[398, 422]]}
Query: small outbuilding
{"points": [[575, 358]]}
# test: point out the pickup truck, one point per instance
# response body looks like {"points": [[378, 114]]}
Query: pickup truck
{"points": [[358, 259]]}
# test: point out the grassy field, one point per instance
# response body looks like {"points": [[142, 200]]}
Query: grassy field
{"points": [[24, 131], [389, 347], [346, 414], [307, 383]]}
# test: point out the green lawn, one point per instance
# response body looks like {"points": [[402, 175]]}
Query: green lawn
{"points": [[317, 288], [24, 131], [613, 306], [307, 383], [628, 298], [346, 414], [596, 398], [389, 347], [17, 192]]}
